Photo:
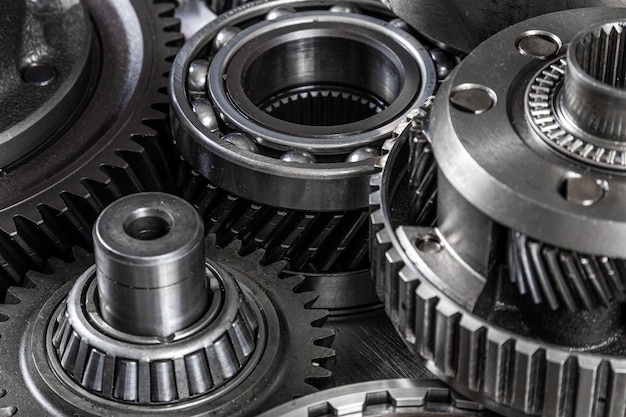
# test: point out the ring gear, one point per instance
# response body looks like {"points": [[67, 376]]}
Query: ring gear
{"points": [[115, 147], [297, 347], [395, 397], [515, 354]]}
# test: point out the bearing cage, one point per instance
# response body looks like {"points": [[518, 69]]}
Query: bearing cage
{"points": [[330, 184]]}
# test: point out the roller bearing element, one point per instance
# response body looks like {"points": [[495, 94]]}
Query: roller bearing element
{"points": [[115, 146], [517, 355], [396, 397], [77, 355]]}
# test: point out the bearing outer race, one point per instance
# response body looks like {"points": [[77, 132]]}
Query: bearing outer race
{"points": [[323, 187]]}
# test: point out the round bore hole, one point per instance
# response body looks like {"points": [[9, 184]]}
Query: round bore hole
{"points": [[294, 82], [473, 98], [148, 224], [539, 44], [39, 74], [429, 244], [584, 191]]}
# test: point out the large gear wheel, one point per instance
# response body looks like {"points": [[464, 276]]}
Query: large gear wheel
{"points": [[117, 144], [282, 162], [394, 397], [274, 350], [512, 290]]}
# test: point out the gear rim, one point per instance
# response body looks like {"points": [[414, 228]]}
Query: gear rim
{"points": [[55, 214], [306, 370], [395, 397]]}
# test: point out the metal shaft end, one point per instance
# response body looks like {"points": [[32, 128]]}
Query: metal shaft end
{"points": [[151, 275]]}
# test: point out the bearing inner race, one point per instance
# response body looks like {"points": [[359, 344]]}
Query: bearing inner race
{"points": [[321, 82]]}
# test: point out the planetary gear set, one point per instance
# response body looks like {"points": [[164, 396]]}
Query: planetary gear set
{"points": [[310, 208]]}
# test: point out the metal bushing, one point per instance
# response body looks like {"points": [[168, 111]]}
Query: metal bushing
{"points": [[507, 274]]}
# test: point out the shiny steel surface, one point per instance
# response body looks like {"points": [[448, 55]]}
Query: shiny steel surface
{"points": [[461, 25], [149, 250], [399, 397], [331, 184], [506, 291], [480, 165]]}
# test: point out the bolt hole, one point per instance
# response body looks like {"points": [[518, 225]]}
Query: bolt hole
{"points": [[39, 74], [148, 224], [429, 244]]}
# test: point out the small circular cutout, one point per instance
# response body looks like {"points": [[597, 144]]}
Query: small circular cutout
{"points": [[39, 74], [148, 224], [538, 44], [473, 98]]}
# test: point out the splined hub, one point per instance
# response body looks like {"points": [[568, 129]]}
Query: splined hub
{"points": [[505, 270]]}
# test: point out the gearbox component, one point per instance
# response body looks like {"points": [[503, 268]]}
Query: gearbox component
{"points": [[460, 26], [153, 327], [284, 105], [48, 75], [90, 92], [395, 397], [506, 270]]}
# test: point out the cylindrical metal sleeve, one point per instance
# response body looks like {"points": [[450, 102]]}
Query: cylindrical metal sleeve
{"points": [[150, 265]]}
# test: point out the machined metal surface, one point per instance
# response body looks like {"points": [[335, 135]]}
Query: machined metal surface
{"points": [[114, 146], [411, 397], [279, 367], [508, 296], [47, 75], [460, 26], [205, 120], [287, 141], [149, 250]]}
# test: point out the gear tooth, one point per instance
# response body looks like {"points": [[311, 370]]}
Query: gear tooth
{"points": [[393, 264], [425, 327], [381, 244], [616, 395], [529, 373], [446, 338], [319, 378], [560, 385], [591, 387], [499, 355], [324, 337], [471, 349], [164, 8], [408, 282]]}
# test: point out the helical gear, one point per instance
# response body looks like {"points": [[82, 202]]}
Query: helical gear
{"points": [[302, 365], [113, 148], [459, 300]]}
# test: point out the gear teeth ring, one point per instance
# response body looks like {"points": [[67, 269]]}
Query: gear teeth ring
{"points": [[302, 371], [137, 159], [310, 242]]}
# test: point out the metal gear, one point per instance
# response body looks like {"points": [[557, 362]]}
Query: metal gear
{"points": [[460, 26], [396, 397], [115, 146], [41, 373], [301, 153], [447, 284]]}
